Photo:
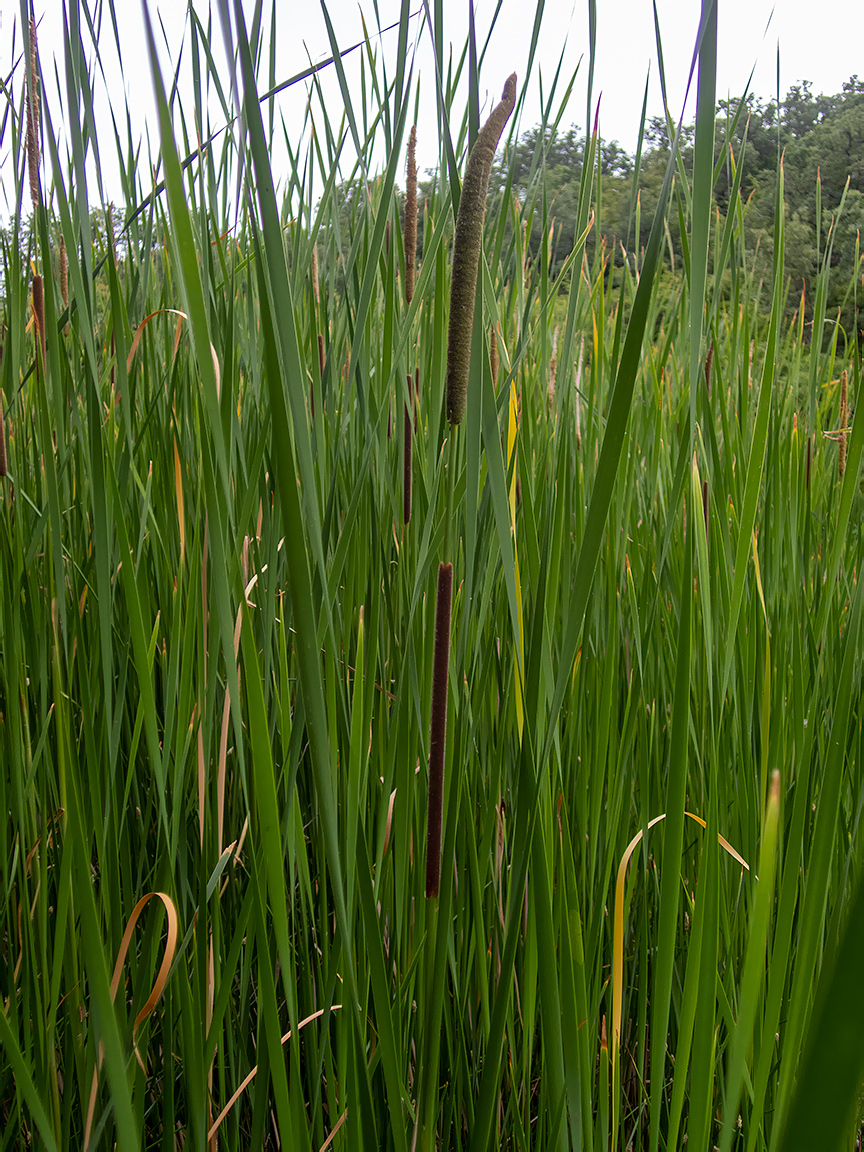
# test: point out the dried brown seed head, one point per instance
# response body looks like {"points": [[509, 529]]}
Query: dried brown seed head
{"points": [[467, 243], [64, 273], [39, 314], [315, 287], [410, 231], [33, 119]]}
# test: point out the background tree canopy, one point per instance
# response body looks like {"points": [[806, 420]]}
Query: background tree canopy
{"points": [[821, 141]]}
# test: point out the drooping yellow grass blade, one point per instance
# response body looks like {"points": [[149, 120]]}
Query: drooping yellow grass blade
{"points": [[618, 940], [156, 991]]}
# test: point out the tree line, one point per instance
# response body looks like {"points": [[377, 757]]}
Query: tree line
{"points": [[819, 138]]}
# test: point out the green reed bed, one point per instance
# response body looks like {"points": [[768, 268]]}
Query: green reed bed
{"points": [[218, 623]]}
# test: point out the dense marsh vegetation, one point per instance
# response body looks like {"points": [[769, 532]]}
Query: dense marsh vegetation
{"points": [[218, 619]]}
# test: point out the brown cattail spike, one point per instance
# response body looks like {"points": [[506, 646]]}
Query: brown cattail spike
{"points": [[467, 243], [64, 274], [39, 315], [33, 120], [844, 408], [553, 371], [316, 292], [440, 665], [407, 460], [410, 231]]}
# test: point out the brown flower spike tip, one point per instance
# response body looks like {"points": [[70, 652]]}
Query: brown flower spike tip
{"points": [[39, 315], [410, 234], [466, 251], [33, 120]]}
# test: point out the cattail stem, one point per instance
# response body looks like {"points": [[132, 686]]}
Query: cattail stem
{"points": [[438, 735]]}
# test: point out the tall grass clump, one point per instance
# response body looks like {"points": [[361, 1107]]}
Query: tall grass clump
{"points": [[598, 696]]}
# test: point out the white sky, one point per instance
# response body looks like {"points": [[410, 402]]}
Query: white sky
{"points": [[821, 43]]}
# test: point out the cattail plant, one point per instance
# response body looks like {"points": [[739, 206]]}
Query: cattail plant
{"points": [[64, 277], [493, 355], [33, 120], [553, 370], [39, 317], [467, 242], [466, 251], [410, 232], [316, 291]]}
